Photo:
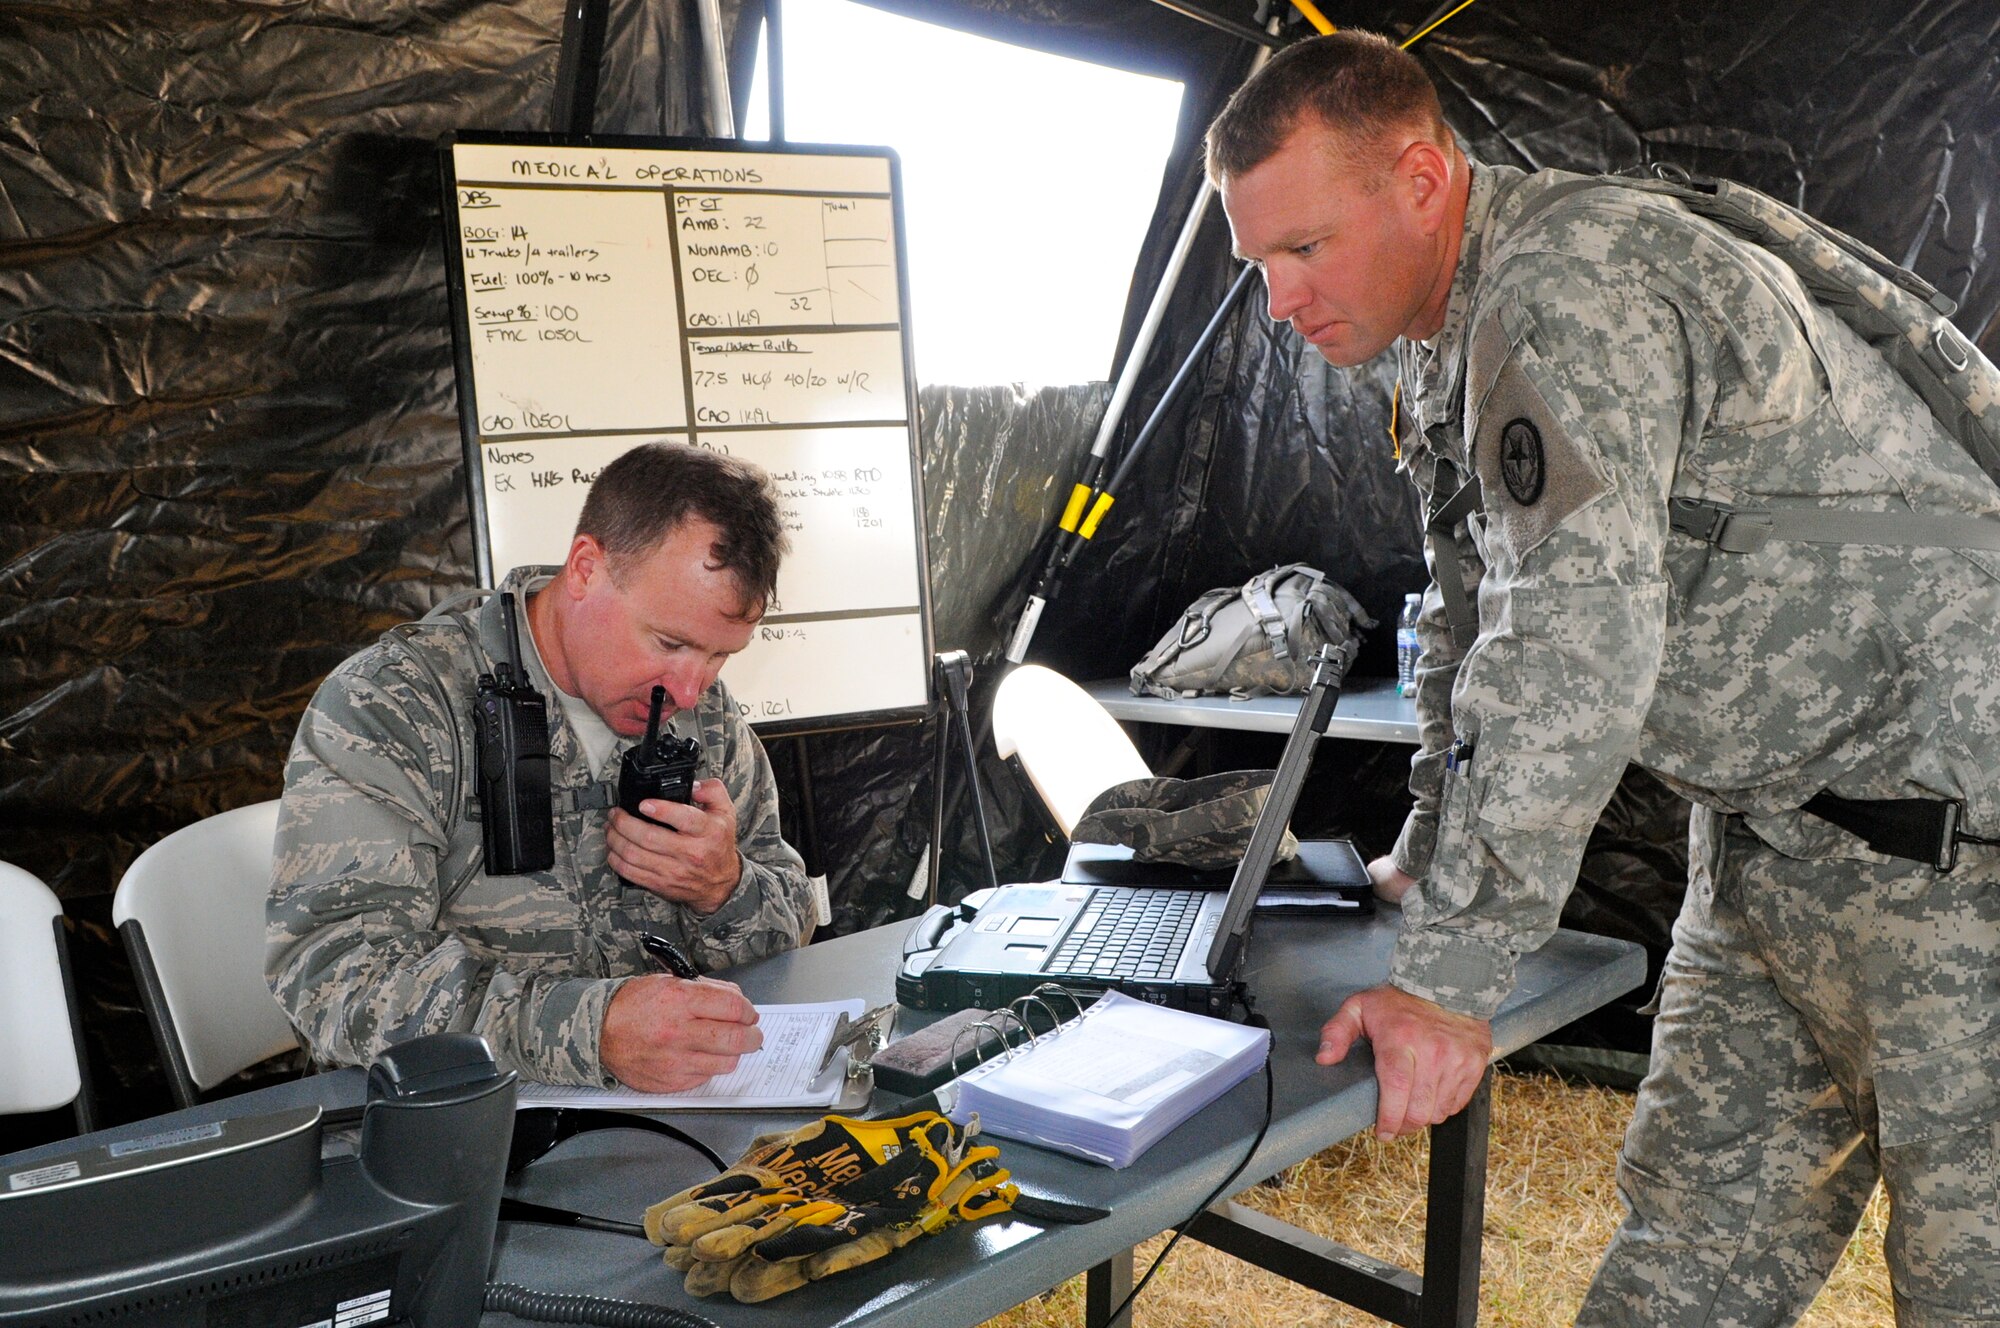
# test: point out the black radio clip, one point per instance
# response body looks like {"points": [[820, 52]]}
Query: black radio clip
{"points": [[511, 720]]}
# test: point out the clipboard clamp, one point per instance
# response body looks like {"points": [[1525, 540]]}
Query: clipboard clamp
{"points": [[870, 1031]]}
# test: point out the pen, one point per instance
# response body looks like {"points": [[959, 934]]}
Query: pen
{"points": [[669, 955]]}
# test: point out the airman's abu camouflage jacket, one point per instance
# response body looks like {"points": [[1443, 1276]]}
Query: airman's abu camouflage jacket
{"points": [[382, 925], [1603, 354]]}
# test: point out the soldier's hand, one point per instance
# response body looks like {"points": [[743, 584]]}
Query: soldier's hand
{"points": [[1428, 1060], [691, 857], [1391, 882], [665, 1035]]}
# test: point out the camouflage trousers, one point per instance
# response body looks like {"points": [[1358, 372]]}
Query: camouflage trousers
{"points": [[1820, 1024]]}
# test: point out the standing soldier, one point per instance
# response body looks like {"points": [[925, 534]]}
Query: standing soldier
{"points": [[1623, 379]]}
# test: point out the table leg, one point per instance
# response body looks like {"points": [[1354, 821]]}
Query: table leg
{"points": [[1455, 1215], [1446, 1296], [1105, 1287]]}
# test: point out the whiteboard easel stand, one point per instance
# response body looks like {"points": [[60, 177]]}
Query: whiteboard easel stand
{"points": [[807, 840], [955, 668]]}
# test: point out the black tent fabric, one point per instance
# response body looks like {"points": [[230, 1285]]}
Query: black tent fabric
{"points": [[228, 440]]}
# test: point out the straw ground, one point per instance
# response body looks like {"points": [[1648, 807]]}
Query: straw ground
{"points": [[1550, 1208]]}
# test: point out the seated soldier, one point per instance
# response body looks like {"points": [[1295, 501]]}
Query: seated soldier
{"points": [[384, 923]]}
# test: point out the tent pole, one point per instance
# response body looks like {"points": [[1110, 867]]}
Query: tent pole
{"points": [[1188, 9], [574, 107], [774, 59], [715, 63], [1080, 513]]}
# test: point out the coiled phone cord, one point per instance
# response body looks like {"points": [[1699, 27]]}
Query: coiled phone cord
{"points": [[554, 1307]]}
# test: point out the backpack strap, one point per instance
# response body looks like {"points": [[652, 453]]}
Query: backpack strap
{"points": [[1896, 311], [1196, 625], [1893, 309], [1745, 529], [1459, 611], [1259, 598]]}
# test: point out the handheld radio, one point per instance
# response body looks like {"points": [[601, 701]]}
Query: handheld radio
{"points": [[660, 766], [517, 817]]}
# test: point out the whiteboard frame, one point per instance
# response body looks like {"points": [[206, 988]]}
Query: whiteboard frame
{"points": [[468, 407]]}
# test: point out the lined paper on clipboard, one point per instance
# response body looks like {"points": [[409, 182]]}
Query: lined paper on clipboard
{"points": [[784, 1072]]}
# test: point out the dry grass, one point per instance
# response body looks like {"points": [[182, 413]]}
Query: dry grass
{"points": [[1550, 1208]]}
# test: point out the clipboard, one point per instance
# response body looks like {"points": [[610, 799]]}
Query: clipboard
{"points": [[794, 1071]]}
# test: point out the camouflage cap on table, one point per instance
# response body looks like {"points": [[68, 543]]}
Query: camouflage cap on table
{"points": [[1203, 823]]}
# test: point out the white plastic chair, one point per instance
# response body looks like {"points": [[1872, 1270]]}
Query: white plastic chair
{"points": [[42, 1063], [1069, 745], [191, 910]]}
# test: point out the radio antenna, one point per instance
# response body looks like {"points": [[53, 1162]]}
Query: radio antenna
{"points": [[513, 637], [653, 719]]}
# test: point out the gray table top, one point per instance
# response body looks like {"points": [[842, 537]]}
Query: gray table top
{"points": [[1298, 970], [1368, 708]]}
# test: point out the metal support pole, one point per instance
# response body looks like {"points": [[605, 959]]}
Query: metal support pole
{"points": [[954, 668], [957, 668], [808, 840], [1455, 1214], [715, 66], [1074, 532], [1445, 1296], [1105, 1288], [574, 106], [774, 64], [1121, 392], [1229, 25]]}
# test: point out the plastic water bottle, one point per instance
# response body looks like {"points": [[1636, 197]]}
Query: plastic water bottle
{"points": [[1406, 645]]}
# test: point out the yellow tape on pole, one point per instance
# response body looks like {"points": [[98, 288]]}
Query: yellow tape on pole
{"points": [[1313, 16], [1089, 528], [1077, 498]]}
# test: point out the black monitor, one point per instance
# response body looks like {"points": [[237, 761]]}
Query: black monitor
{"points": [[244, 1222]]}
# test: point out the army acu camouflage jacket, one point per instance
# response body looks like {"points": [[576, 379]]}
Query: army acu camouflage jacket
{"points": [[1607, 355], [382, 925]]}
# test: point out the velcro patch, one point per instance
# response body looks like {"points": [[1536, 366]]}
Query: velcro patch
{"points": [[1532, 468]]}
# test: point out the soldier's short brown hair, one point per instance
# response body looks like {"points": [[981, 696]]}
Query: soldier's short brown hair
{"points": [[1359, 84], [639, 499]]}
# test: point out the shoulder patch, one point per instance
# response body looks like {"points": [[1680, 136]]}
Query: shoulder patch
{"points": [[1534, 468], [1521, 460]]}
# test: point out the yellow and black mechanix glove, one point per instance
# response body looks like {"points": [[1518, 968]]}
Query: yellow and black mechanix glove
{"points": [[779, 1238], [805, 1162], [778, 1170]]}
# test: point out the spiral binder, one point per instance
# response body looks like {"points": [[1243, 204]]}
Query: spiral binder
{"points": [[1105, 1084], [1018, 1011]]}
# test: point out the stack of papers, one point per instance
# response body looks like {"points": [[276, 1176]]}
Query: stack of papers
{"points": [[1110, 1084], [784, 1072]]}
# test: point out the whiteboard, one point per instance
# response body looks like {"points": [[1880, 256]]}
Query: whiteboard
{"points": [[609, 292]]}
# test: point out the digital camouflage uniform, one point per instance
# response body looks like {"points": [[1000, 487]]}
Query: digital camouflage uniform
{"points": [[382, 925], [1825, 1010]]}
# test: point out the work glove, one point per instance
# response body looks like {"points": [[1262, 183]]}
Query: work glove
{"points": [[816, 1244], [779, 1239], [803, 1163], [806, 1162]]}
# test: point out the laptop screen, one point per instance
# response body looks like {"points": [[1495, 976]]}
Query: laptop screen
{"points": [[1315, 710]]}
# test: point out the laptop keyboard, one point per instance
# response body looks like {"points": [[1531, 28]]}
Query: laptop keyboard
{"points": [[1128, 933]]}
